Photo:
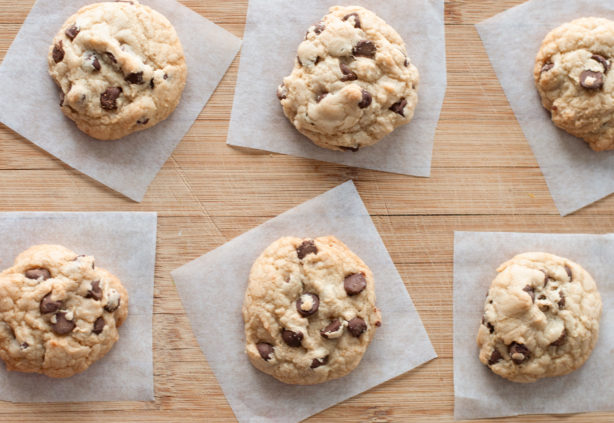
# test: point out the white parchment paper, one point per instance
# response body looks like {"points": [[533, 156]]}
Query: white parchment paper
{"points": [[212, 289], [273, 31], [125, 245], [576, 175], [479, 393], [29, 98]]}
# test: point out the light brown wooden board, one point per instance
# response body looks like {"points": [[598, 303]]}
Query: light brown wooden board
{"points": [[484, 177]]}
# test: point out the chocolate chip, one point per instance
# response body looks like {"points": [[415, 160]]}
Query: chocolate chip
{"points": [[364, 48], [356, 19], [319, 28], [98, 325], [143, 121], [348, 75], [518, 352], [95, 63], [406, 62], [366, 100], [165, 77], [282, 92], [152, 85], [568, 270], [531, 291], [24, 345], [320, 97], [111, 307], [62, 325], [490, 327], [604, 62], [47, 305], [58, 52], [331, 328], [307, 247], [561, 302], [354, 284], [357, 326], [547, 67], [318, 60], [135, 78], [299, 61], [109, 97], [495, 357], [111, 57], [293, 339], [353, 149], [95, 292], [399, 107], [317, 362], [62, 97], [304, 301], [72, 32], [265, 349], [591, 80], [561, 339], [40, 273]]}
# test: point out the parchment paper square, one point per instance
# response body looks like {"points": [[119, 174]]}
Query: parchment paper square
{"points": [[273, 31], [576, 175], [212, 289], [29, 98], [479, 393], [125, 245]]}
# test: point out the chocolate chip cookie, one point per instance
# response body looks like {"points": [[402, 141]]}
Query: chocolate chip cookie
{"points": [[120, 68], [353, 82], [309, 310], [58, 312], [541, 318], [572, 74]]}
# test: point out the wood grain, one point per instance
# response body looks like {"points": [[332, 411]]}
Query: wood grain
{"points": [[484, 177]]}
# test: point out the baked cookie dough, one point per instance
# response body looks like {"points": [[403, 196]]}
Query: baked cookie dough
{"points": [[309, 310], [120, 68], [572, 74], [352, 83], [58, 312], [541, 318]]}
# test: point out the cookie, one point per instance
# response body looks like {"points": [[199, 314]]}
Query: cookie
{"points": [[58, 312], [353, 82], [572, 74], [120, 68], [541, 318], [309, 310]]}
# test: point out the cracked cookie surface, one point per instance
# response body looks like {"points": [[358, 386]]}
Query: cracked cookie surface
{"points": [[120, 68], [574, 79], [58, 312], [309, 310], [541, 318], [353, 82]]}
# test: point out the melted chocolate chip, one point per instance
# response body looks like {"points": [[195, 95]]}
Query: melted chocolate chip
{"points": [[399, 107], [96, 63], [568, 270], [357, 326], [366, 99], [112, 307], [135, 78], [519, 353], [547, 67], [293, 339], [109, 97], [604, 62], [348, 75], [40, 273], [330, 328], [143, 121], [95, 292], [490, 327], [98, 325], [364, 48], [354, 284], [307, 247], [152, 85], [72, 32], [531, 291], [111, 57], [317, 362], [265, 349], [356, 19], [320, 97], [47, 305], [303, 301], [353, 149], [62, 325], [406, 62], [561, 302], [591, 80], [58, 52], [495, 357], [561, 339]]}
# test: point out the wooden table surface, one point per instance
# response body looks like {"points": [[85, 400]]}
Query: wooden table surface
{"points": [[484, 178]]}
